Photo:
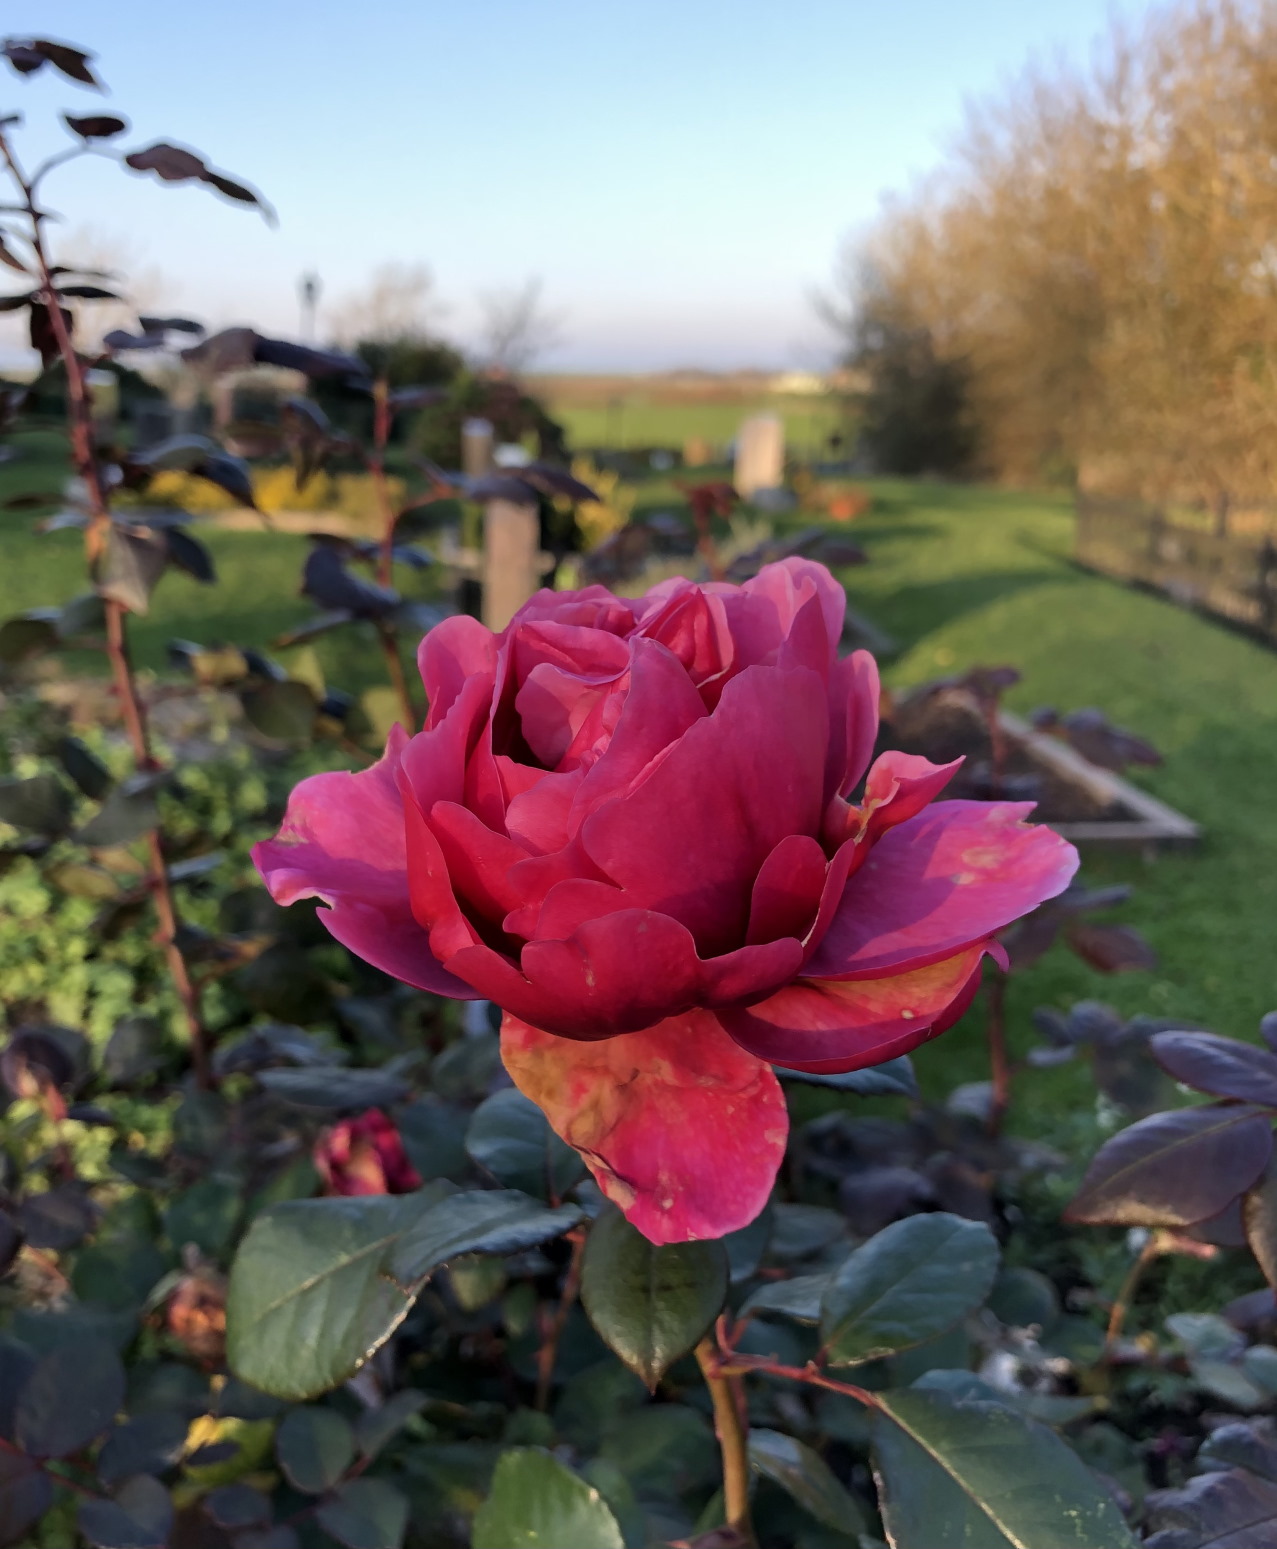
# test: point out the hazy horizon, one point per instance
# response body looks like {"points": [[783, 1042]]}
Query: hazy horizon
{"points": [[679, 179]]}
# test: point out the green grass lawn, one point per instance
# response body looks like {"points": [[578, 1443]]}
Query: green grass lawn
{"points": [[957, 576], [640, 421], [966, 576]]}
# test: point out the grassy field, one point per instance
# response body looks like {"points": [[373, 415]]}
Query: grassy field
{"points": [[666, 411], [957, 577]]}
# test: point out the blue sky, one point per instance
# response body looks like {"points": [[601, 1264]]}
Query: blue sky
{"points": [[679, 173]]}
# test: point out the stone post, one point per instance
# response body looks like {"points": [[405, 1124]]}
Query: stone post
{"points": [[512, 559], [476, 448], [760, 455]]}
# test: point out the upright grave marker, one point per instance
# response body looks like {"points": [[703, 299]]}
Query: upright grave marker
{"points": [[760, 455]]}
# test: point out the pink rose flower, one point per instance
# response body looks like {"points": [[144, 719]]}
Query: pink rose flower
{"points": [[627, 823], [364, 1156]]}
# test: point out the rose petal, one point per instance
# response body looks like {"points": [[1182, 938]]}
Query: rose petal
{"points": [[939, 882], [681, 1128], [689, 841], [458, 648], [898, 787], [342, 841], [787, 890], [661, 704], [434, 761], [479, 862], [836, 1025], [853, 721], [788, 585]]}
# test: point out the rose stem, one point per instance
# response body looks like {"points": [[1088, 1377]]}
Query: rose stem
{"points": [[96, 535], [727, 1394], [1122, 1304], [548, 1352], [376, 461]]}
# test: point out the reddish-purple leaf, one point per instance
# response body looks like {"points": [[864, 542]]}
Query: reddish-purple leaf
{"points": [[14, 303], [172, 163], [1224, 1067], [1111, 949], [24, 59], [72, 62], [87, 293], [95, 126], [1175, 1169], [1268, 1029], [43, 334]]}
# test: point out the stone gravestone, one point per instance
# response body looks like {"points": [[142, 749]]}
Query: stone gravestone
{"points": [[476, 447], [512, 559], [760, 455]]}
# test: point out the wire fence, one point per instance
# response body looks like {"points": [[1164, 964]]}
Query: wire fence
{"points": [[1195, 559]]}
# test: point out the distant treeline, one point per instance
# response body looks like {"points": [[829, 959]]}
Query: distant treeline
{"points": [[1087, 288]]}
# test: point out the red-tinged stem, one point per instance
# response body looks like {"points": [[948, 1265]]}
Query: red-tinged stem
{"points": [[398, 678], [549, 1350], [727, 1395], [995, 990], [55, 1475], [1126, 1295], [80, 416]]}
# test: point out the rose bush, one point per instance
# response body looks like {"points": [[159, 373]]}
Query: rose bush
{"points": [[629, 824]]}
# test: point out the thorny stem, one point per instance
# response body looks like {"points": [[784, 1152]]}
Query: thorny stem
{"points": [[995, 990], [732, 1428], [81, 425], [549, 1350]]}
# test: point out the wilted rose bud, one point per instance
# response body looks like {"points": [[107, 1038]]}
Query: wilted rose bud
{"points": [[196, 1314], [364, 1156]]}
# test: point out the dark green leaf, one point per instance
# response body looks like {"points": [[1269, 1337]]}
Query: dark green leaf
{"points": [[229, 473], [27, 636], [237, 1505], [894, 1078], [499, 1221], [365, 1514], [69, 1399], [805, 1475], [147, 1444], [85, 768], [537, 1501], [41, 804], [329, 1088], [799, 1298], [650, 1303], [128, 812], [139, 1517], [375, 1427], [135, 560], [915, 1279], [511, 1138], [58, 1218], [433, 1134], [134, 1049], [284, 711], [26, 1493], [206, 1215], [310, 1299], [315, 1447], [84, 615], [798, 1231], [976, 1475], [190, 555]]}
